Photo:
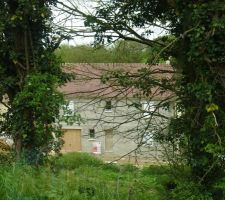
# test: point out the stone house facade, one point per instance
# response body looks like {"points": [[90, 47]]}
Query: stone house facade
{"points": [[115, 122]]}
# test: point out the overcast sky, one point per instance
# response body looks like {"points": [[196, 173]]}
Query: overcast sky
{"points": [[76, 23]]}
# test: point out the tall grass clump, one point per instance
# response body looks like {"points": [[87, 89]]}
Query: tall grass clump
{"points": [[75, 160], [79, 177]]}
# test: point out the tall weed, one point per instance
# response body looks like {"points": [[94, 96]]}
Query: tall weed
{"points": [[80, 177]]}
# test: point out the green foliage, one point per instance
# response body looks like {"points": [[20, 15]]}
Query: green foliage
{"points": [[155, 170], [189, 191], [120, 52], [42, 103], [75, 160], [201, 88], [83, 54], [82, 182], [30, 74], [154, 54], [128, 168], [196, 45], [112, 167], [129, 52]]}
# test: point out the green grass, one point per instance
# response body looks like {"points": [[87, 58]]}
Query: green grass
{"points": [[79, 176]]}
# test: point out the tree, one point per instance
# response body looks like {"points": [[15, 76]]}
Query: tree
{"points": [[197, 50], [129, 52], [83, 54], [30, 75], [123, 52]]}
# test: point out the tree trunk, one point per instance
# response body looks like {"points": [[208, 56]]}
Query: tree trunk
{"points": [[18, 148]]}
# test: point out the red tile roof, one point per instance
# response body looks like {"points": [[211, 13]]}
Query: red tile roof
{"points": [[87, 82]]}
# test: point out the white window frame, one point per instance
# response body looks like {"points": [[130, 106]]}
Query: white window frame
{"points": [[71, 107], [148, 108], [147, 139]]}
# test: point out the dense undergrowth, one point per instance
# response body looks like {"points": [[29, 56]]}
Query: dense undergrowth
{"points": [[77, 176]]}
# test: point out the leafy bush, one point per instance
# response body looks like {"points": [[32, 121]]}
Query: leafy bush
{"points": [[75, 160], [85, 180], [189, 191], [6, 158], [155, 170], [128, 168], [111, 166]]}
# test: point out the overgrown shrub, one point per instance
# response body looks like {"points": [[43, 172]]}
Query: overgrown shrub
{"points": [[189, 191], [79, 176], [155, 170], [75, 160], [111, 166], [128, 168]]}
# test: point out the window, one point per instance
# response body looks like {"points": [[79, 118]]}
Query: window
{"points": [[92, 133], [69, 108], [148, 139], [148, 108], [71, 105], [108, 106]]}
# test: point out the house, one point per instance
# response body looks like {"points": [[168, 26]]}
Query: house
{"points": [[116, 122]]}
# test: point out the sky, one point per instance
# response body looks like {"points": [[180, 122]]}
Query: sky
{"points": [[74, 22], [77, 23]]}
